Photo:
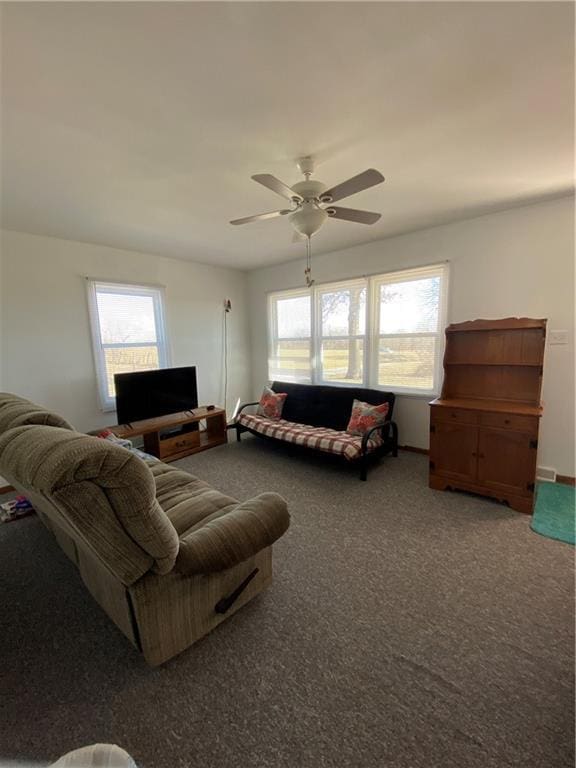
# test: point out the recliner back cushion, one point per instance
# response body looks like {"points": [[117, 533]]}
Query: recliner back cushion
{"points": [[325, 406], [102, 490], [16, 411]]}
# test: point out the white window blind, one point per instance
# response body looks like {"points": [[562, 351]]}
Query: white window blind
{"points": [[409, 326], [290, 349], [341, 313], [127, 331], [384, 332]]}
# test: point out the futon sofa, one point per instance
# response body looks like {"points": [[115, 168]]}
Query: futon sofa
{"points": [[316, 417], [166, 556]]}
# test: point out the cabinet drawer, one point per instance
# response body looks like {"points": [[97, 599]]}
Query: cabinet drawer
{"points": [[459, 415], [509, 421], [182, 442]]}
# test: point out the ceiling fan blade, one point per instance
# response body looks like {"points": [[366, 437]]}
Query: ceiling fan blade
{"points": [[352, 214], [262, 216], [276, 186], [362, 181]]}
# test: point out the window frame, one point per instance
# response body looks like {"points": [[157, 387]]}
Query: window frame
{"points": [[405, 276], [273, 337], [319, 338], [156, 292], [372, 333]]}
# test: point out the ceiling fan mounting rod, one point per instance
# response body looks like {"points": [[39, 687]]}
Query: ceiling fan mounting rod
{"points": [[306, 166]]}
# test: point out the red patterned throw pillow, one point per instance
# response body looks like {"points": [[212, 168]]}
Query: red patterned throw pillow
{"points": [[365, 416], [271, 403]]}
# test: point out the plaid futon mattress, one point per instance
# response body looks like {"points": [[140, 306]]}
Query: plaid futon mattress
{"points": [[321, 438]]}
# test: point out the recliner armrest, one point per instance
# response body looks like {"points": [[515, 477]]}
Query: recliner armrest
{"points": [[236, 536]]}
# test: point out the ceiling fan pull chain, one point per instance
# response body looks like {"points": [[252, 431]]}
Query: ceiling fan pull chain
{"points": [[308, 270]]}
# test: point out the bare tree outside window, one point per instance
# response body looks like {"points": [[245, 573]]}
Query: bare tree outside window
{"points": [[343, 323]]}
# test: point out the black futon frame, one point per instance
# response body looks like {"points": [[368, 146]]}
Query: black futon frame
{"points": [[330, 407]]}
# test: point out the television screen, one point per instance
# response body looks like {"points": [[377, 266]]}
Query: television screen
{"points": [[146, 394]]}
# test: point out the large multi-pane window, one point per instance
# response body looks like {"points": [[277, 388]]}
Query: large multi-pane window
{"points": [[384, 331], [127, 331]]}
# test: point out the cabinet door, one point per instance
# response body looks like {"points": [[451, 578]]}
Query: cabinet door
{"points": [[453, 449], [506, 461]]}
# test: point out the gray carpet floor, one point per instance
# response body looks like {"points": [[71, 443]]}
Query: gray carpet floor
{"points": [[405, 628]]}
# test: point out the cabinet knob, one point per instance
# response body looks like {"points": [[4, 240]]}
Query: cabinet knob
{"points": [[473, 453], [480, 455], [506, 421]]}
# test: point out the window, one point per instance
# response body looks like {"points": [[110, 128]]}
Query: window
{"points": [[127, 331], [384, 332], [290, 353], [409, 329], [341, 311]]}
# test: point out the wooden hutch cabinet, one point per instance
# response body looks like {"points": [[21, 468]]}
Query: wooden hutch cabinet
{"points": [[484, 426]]}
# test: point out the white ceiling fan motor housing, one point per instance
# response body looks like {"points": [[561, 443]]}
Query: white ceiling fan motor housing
{"points": [[309, 217], [309, 189]]}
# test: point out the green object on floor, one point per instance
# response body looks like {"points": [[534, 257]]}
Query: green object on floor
{"points": [[555, 512]]}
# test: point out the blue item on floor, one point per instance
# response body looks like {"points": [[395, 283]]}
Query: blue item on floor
{"points": [[555, 512]]}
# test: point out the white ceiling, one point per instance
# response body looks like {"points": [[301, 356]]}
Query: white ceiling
{"points": [[138, 125]]}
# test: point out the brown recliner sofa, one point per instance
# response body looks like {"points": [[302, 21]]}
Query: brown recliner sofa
{"points": [[166, 556]]}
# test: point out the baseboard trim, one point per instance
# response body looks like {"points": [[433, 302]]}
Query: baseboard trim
{"points": [[413, 449], [566, 479]]}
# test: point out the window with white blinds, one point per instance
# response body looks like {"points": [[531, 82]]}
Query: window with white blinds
{"points": [[290, 320], [341, 313], [384, 332], [409, 329], [127, 331]]}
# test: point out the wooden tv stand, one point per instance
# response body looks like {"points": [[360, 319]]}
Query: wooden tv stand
{"points": [[190, 439]]}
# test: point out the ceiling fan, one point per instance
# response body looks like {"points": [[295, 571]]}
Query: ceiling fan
{"points": [[311, 202]]}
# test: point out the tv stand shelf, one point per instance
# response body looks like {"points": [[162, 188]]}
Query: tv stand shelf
{"points": [[159, 437]]}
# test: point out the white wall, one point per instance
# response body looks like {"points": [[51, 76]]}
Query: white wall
{"points": [[518, 262], [1, 338], [46, 350]]}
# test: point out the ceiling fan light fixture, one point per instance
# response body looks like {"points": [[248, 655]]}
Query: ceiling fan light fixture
{"points": [[308, 220], [307, 198]]}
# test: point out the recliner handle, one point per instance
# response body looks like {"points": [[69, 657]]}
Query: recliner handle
{"points": [[224, 604]]}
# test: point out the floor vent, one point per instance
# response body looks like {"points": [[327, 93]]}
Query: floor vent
{"points": [[546, 474]]}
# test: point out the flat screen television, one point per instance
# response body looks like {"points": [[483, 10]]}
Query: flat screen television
{"points": [[146, 394]]}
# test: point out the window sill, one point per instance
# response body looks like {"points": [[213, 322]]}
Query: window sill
{"points": [[418, 395]]}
